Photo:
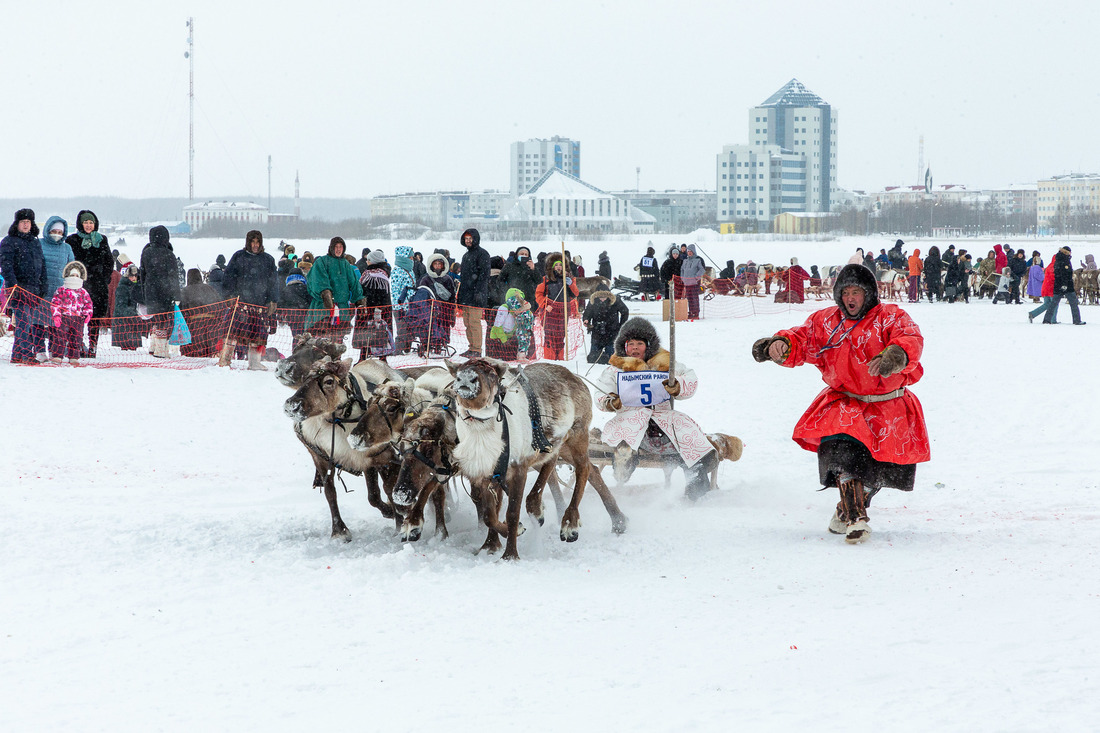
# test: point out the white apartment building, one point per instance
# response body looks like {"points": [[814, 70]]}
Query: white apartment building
{"points": [[531, 159], [759, 182], [789, 163], [196, 215]]}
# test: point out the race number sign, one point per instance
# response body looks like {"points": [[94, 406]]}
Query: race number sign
{"points": [[642, 389]]}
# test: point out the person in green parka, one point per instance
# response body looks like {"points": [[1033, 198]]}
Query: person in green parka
{"points": [[333, 283]]}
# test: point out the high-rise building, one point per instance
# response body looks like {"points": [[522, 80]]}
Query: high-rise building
{"points": [[789, 163], [531, 159]]}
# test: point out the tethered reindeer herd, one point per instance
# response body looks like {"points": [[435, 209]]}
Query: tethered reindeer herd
{"points": [[414, 434]]}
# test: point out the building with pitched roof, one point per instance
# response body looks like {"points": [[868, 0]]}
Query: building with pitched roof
{"points": [[559, 202]]}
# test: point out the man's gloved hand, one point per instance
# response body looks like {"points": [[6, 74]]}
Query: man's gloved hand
{"points": [[771, 348], [614, 402], [672, 387], [326, 296], [568, 281], [890, 361], [57, 321], [271, 308]]}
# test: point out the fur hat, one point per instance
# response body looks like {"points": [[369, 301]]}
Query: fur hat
{"points": [[552, 259], [75, 269], [858, 276], [638, 329], [254, 234], [332, 246]]}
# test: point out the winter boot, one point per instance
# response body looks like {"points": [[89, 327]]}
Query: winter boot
{"points": [[225, 356], [698, 476], [254, 360], [853, 504], [93, 342]]}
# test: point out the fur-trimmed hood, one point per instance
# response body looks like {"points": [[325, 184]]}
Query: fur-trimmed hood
{"points": [[639, 329], [432, 259], [861, 277], [77, 268]]}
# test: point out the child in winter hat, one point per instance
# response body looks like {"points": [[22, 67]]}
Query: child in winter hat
{"points": [[72, 310]]}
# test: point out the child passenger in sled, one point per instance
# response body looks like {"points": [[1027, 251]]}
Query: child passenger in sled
{"points": [[866, 427], [637, 386]]}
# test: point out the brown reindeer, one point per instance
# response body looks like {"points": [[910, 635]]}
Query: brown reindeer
{"points": [[494, 444], [324, 409]]}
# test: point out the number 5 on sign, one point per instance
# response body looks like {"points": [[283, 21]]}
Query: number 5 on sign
{"points": [[642, 389]]}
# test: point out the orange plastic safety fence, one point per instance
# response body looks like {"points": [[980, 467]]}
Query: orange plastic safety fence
{"points": [[418, 333]]}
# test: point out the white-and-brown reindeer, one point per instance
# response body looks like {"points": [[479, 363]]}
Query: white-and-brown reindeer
{"points": [[325, 409], [495, 445]]}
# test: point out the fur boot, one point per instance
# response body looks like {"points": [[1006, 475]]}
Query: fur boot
{"points": [[254, 359], [225, 356], [853, 504]]}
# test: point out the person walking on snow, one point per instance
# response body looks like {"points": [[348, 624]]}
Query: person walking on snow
{"points": [[866, 427]]}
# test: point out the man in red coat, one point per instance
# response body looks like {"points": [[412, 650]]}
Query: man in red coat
{"points": [[793, 279], [866, 427]]}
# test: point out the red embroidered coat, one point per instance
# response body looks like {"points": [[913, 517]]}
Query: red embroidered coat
{"points": [[893, 430]]}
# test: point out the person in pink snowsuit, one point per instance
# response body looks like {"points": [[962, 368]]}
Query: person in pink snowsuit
{"points": [[72, 310]]}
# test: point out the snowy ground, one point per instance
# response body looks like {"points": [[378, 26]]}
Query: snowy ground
{"points": [[166, 565]]}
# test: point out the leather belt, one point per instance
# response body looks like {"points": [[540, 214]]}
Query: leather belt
{"points": [[877, 397]]}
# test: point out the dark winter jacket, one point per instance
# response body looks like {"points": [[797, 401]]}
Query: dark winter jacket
{"points": [[933, 265], [518, 275], [670, 268], [1018, 266], [603, 267], [99, 262], [159, 273], [21, 262], [251, 277], [1063, 272], [604, 315], [729, 271], [474, 289], [125, 303], [56, 255], [196, 293], [897, 259], [419, 270], [295, 295]]}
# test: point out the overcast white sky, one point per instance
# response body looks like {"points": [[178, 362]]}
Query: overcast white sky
{"points": [[365, 98]]}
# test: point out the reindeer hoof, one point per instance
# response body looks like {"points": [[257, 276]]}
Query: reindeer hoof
{"points": [[570, 535], [341, 533], [510, 556], [404, 497], [410, 534], [618, 525]]}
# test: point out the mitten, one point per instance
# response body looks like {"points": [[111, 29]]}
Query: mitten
{"points": [[271, 308], [326, 296], [614, 402], [672, 387], [761, 347], [568, 281], [890, 361], [57, 321]]}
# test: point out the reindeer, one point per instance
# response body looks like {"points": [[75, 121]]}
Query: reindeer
{"points": [[492, 445], [378, 430], [330, 401]]}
